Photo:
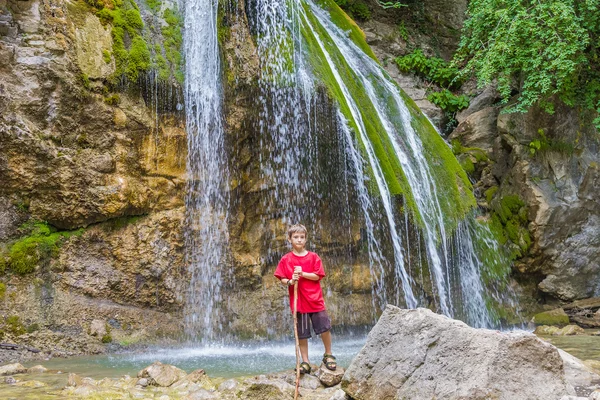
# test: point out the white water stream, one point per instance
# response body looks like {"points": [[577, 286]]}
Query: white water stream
{"points": [[207, 198]]}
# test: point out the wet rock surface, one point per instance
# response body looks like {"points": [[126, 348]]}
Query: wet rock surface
{"points": [[416, 354]]}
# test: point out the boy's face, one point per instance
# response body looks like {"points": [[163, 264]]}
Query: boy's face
{"points": [[298, 240]]}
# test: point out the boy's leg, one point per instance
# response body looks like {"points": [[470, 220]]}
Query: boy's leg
{"points": [[303, 335], [304, 349], [326, 337]]}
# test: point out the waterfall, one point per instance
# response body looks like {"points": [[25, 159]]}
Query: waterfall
{"points": [[423, 241], [208, 178]]}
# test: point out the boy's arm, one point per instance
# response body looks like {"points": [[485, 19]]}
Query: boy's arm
{"points": [[306, 275]]}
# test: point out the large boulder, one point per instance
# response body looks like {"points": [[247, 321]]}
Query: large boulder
{"points": [[417, 354]]}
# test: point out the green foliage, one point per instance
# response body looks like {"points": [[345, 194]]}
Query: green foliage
{"points": [[126, 21], [15, 326], [173, 40], [113, 100], [38, 247], [403, 31], [489, 194], [544, 144], [154, 4], [448, 101], [509, 223], [433, 69], [107, 338], [139, 58], [358, 9], [391, 4], [85, 81], [548, 48], [33, 327], [2, 290], [106, 56]]}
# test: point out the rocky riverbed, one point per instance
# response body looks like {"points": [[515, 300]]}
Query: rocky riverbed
{"points": [[409, 354]]}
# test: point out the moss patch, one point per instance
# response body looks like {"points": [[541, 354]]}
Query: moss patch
{"points": [[509, 220], [556, 317], [42, 244]]}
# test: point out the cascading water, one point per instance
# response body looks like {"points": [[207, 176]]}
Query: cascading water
{"points": [[414, 202], [208, 177]]}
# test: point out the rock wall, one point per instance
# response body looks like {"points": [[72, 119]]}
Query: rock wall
{"points": [[72, 158]]}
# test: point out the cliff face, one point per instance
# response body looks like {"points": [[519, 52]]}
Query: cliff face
{"points": [[76, 156]]}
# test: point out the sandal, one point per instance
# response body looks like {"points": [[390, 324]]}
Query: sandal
{"points": [[329, 361], [304, 368]]}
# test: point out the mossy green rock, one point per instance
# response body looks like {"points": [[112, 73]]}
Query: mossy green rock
{"points": [[556, 317]]}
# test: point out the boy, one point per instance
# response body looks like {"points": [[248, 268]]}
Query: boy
{"points": [[305, 267]]}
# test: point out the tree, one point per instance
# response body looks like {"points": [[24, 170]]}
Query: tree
{"points": [[547, 47]]}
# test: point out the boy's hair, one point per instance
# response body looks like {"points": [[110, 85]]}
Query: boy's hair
{"points": [[297, 228]]}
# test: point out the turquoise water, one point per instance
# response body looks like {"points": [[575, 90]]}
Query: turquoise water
{"points": [[218, 361]]}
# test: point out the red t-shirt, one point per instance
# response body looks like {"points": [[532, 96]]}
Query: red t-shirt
{"points": [[310, 295]]}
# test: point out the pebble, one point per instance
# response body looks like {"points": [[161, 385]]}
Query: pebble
{"points": [[143, 382]]}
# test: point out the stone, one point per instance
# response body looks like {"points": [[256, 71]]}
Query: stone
{"points": [[98, 328], [487, 98], [85, 390], [339, 395], [308, 381], [31, 384], [329, 378], [546, 330], [120, 118], [160, 374], [576, 372], [9, 380], [92, 40], [12, 369], [201, 394], [164, 397], [569, 330], [228, 385], [556, 317], [595, 395], [478, 130], [37, 369], [417, 354], [143, 382], [264, 388]]}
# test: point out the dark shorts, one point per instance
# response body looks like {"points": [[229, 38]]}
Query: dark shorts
{"points": [[319, 320]]}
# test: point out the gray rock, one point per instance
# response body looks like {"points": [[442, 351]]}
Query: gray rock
{"points": [[330, 378], [143, 382], [595, 395], [478, 129], [37, 369], [98, 328], [12, 369], [339, 395], [488, 97], [202, 394], [228, 385], [416, 354], [576, 372], [160, 374], [9, 380]]}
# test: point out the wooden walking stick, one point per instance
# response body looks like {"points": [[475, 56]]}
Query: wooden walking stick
{"points": [[297, 340]]}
